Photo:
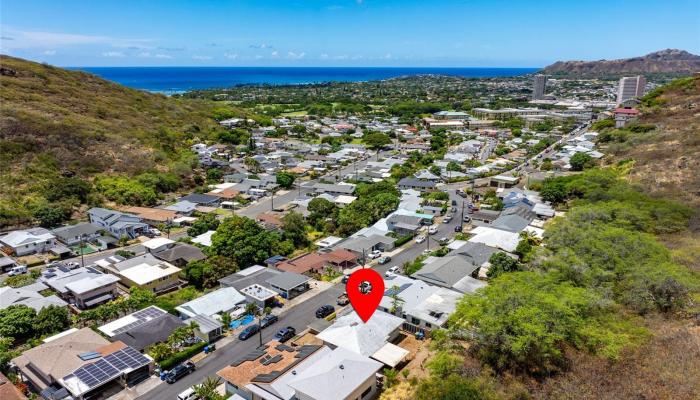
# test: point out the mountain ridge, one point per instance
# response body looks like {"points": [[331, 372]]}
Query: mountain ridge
{"points": [[668, 61]]}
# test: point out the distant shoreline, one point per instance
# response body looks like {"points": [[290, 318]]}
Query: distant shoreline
{"points": [[181, 79]]}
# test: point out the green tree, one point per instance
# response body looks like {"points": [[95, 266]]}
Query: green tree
{"points": [[160, 351], [285, 179], [294, 229], [579, 161], [17, 321], [214, 174], [244, 241], [206, 222], [7, 353], [396, 300], [51, 215], [501, 263], [207, 390], [376, 141], [52, 319], [63, 188]]}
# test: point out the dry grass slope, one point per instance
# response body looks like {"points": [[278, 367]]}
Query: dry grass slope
{"points": [[85, 124]]}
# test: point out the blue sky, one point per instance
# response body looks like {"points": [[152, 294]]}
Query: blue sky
{"points": [[343, 32]]}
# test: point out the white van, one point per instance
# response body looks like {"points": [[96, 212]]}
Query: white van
{"points": [[187, 394], [18, 270]]}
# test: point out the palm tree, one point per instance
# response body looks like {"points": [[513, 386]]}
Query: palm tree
{"points": [[396, 301], [255, 311], [207, 389]]}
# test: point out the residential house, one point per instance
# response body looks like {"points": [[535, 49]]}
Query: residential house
{"points": [[416, 184], [118, 223], [84, 287], [8, 390], [335, 189], [147, 272], [224, 300], [81, 364], [422, 306], [280, 372], [452, 272], [28, 296], [28, 241], [201, 199], [180, 254], [145, 335], [153, 216], [72, 235], [365, 338]]}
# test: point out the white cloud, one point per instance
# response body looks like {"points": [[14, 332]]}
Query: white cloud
{"points": [[201, 57], [258, 56], [261, 46], [387, 56], [324, 56], [113, 54], [49, 53], [295, 56], [274, 54], [33, 39], [146, 54], [231, 56]]}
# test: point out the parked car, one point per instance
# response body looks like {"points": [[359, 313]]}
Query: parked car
{"points": [[395, 270], [462, 194], [432, 230], [345, 279], [268, 320], [384, 260], [249, 331], [375, 254], [188, 394], [458, 228], [343, 300], [325, 311], [454, 203], [447, 219], [18, 270], [444, 240], [179, 371], [285, 334], [420, 239]]}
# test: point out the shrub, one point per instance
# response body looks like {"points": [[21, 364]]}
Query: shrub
{"points": [[181, 356]]}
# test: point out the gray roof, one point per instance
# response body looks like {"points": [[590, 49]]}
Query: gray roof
{"points": [[329, 187], [154, 331], [69, 232], [206, 323], [199, 198], [510, 223], [252, 275], [413, 182], [288, 280], [13, 296], [446, 271], [182, 251], [359, 243], [521, 210], [477, 253]]}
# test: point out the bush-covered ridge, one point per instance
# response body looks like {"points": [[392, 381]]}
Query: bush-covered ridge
{"points": [[57, 123]]}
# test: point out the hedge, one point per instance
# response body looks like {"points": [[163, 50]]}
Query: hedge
{"points": [[402, 240], [182, 355]]}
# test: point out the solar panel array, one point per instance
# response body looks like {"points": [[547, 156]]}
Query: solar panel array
{"points": [[391, 292], [142, 316], [109, 367]]}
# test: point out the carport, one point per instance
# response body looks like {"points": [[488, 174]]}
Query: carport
{"points": [[289, 284]]}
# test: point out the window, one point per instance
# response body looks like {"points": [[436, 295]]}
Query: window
{"points": [[415, 321], [366, 392]]}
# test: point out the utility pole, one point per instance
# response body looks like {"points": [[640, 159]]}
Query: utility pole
{"points": [[364, 259], [272, 201], [82, 250], [462, 220]]}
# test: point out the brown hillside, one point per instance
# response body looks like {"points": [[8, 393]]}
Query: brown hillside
{"points": [[667, 160], [86, 124], [668, 61]]}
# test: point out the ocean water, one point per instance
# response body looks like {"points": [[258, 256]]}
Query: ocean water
{"points": [[181, 79]]}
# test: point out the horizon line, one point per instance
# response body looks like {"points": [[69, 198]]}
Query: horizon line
{"points": [[282, 66]]}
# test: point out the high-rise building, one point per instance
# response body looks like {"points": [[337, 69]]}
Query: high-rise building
{"points": [[539, 83], [630, 87]]}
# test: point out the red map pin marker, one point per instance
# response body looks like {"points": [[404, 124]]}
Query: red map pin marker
{"points": [[366, 299]]}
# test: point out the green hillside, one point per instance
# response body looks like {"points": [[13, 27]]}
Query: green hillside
{"points": [[58, 123]]}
